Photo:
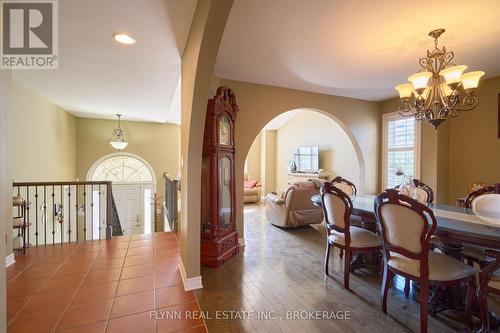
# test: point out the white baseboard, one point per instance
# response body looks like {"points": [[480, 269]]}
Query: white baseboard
{"points": [[9, 260], [191, 283], [241, 242]]}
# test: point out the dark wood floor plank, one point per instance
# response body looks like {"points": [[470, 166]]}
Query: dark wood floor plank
{"points": [[282, 270]]}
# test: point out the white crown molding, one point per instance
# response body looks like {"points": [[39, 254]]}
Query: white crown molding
{"points": [[9, 260], [189, 283]]}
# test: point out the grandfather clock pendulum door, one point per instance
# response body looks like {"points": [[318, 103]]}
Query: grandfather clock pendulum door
{"points": [[219, 240]]}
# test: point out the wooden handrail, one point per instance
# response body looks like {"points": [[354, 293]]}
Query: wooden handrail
{"points": [[66, 207], [168, 177], [59, 183]]}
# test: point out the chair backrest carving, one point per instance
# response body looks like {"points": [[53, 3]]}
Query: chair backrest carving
{"points": [[406, 226], [425, 194], [337, 209], [345, 185], [493, 189]]}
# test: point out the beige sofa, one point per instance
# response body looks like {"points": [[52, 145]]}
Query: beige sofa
{"points": [[294, 207], [251, 195]]}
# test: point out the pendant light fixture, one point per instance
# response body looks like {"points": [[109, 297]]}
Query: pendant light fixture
{"points": [[440, 88], [118, 139]]}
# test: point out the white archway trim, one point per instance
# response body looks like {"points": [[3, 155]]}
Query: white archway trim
{"points": [[105, 158]]}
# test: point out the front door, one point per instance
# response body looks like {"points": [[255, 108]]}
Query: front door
{"points": [[128, 204]]}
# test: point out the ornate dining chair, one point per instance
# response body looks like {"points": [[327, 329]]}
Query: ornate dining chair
{"points": [[489, 282], [425, 195], [483, 199], [337, 209], [345, 185], [424, 192], [406, 226]]}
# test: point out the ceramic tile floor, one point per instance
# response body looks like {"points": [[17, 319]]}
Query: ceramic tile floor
{"points": [[106, 286]]}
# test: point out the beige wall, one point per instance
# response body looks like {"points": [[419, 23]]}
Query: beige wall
{"points": [[5, 194], [41, 138], [40, 141], [268, 161], [337, 155], [259, 104], [464, 149], [158, 144], [474, 144], [252, 163], [198, 60]]}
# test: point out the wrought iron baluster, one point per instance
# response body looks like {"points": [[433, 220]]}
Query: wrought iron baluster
{"points": [[92, 212], [45, 215], [27, 231], [84, 212], [53, 216], [61, 218], [36, 215], [69, 213], [100, 212], [76, 212]]}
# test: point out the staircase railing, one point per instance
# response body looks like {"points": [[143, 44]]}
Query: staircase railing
{"points": [[171, 200], [62, 212]]}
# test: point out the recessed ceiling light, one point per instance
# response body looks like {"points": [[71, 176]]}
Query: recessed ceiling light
{"points": [[123, 38]]}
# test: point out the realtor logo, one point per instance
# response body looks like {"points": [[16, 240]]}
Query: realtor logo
{"points": [[29, 34]]}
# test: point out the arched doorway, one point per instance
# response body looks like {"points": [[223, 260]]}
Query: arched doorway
{"points": [[337, 153], [133, 181]]}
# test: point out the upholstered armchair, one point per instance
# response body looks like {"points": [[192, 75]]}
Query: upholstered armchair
{"points": [[251, 190], [294, 207]]}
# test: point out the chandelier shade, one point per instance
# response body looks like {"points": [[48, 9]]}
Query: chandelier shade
{"points": [[118, 141], [440, 88], [471, 80]]}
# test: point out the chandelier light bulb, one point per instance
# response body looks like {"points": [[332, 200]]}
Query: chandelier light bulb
{"points": [[471, 80], [419, 81], [405, 90]]}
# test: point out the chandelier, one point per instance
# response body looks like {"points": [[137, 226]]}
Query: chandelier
{"points": [[440, 89], [118, 139]]}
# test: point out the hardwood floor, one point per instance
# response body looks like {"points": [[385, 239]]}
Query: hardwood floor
{"points": [[282, 270]]}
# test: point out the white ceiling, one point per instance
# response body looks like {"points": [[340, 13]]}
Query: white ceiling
{"points": [[97, 77], [359, 49]]}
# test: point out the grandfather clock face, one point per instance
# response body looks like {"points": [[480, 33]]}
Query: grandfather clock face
{"points": [[224, 131]]}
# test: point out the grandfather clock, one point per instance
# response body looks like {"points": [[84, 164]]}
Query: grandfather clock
{"points": [[219, 240]]}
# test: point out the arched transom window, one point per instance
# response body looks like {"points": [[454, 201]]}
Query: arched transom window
{"points": [[122, 169]]}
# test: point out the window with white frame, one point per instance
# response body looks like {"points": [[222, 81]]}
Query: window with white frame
{"points": [[401, 148]]}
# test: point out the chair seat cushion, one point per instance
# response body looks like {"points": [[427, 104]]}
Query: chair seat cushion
{"points": [[360, 238], [441, 267], [475, 252], [495, 280]]}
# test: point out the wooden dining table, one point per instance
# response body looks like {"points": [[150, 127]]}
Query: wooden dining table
{"points": [[456, 227]]}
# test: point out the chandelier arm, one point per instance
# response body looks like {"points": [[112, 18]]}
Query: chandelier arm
{"points": [[471, 101], [406, 109]]}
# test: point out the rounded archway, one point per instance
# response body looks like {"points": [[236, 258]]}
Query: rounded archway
{"points": [[339, 151], [133, 182]]}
